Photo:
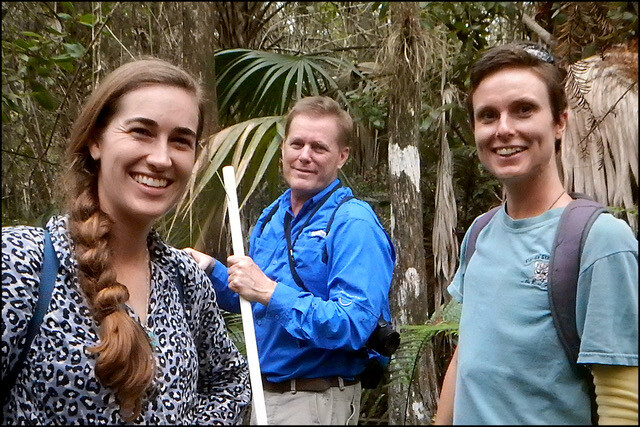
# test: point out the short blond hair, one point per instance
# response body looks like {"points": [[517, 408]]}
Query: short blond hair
{"points": [[320, 106]]}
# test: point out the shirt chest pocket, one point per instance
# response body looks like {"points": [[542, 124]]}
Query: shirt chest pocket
{"points": [[311, 262], [267, 251]]}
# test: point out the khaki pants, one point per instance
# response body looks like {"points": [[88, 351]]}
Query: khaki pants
{"points": [[333, 406]]}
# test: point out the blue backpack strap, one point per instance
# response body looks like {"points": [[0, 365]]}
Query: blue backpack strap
{"points": [[50, 266], [475, 230]]}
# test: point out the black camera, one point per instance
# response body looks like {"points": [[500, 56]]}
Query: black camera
{"points": [[384, 339]]}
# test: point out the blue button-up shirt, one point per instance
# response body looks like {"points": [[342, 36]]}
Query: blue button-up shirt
{"points": [[319, 332]]}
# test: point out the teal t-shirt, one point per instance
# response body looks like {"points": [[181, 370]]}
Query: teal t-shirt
{"points": [[512, 368]]}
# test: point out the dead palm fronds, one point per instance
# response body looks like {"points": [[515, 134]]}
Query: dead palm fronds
{"points": [[445, 241], [600, 148]]}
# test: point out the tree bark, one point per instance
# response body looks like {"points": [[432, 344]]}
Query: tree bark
{"points": [[416, 403], [198, 49]]}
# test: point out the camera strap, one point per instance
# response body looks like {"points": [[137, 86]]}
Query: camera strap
{"points": [[290, 244]]}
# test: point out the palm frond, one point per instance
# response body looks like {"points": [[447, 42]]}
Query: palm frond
{"points": [[233, 322], [415, 338], [577, 86], [250, 147], [445, 241], [600, 148], [255, 89], [266, 83]]}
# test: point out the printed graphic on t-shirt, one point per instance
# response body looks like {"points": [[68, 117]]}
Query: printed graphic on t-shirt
{"points": [[539, 265]]}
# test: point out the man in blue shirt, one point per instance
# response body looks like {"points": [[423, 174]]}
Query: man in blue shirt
{"points": [[317, 292]]}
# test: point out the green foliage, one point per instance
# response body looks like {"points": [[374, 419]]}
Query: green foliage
{"points": [[368, 107], [50, 57], [33, 63], [414, 338], [619, 210], [250, 147], [43, 54], [256, 83], [233, 321]]}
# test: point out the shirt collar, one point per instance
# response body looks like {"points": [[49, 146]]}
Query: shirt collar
{"points": [[286, 198]]}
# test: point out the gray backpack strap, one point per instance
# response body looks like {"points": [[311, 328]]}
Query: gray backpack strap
{"points": [[562, 281], [564, 268], [475, 230]]}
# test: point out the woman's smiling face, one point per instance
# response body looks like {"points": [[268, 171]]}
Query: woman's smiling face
{"points": [[146, 153], [514, 128]]}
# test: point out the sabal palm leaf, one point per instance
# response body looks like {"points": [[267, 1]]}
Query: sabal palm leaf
{"points": [[253, 141], [267, 159], [256, 83]]}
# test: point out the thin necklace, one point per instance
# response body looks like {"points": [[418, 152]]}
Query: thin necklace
{"points": [[556, 200]]}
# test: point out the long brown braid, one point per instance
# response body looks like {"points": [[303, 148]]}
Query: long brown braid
{"points": [[125, 361]]}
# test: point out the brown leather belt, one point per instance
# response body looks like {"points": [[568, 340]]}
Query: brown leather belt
{"points": [[306, 384]]}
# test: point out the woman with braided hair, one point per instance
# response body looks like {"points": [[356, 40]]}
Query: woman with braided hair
{"points": [[132, 333]]}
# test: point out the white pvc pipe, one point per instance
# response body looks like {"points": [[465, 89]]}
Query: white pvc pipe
{"points": [[255, 377]]}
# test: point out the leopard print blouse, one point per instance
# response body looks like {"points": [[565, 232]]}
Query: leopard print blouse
{"points": [[201, 378]]}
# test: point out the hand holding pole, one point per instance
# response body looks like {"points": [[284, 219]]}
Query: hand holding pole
{"points": [[246, 312]]}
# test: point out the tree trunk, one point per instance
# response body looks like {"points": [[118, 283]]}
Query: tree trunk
{"points": [[198, 56], [413, 404]]}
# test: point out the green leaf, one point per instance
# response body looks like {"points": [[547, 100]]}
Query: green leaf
{"points": [[589, 50], [23, 44], [256, 83], [88, 19], [64, 16], [31, 34], [75, 50], [66, 66], [68, 6], [254, 144], [53, 31], [45, 99], [43, 71], [65, 57], [452, 312]]}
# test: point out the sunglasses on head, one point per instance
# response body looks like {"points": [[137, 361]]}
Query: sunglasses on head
{"points": [[538, 51]]}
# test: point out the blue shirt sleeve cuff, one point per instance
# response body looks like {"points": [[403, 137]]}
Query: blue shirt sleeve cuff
{"points": [[219, 276], [227, 299], [281, 302]]}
